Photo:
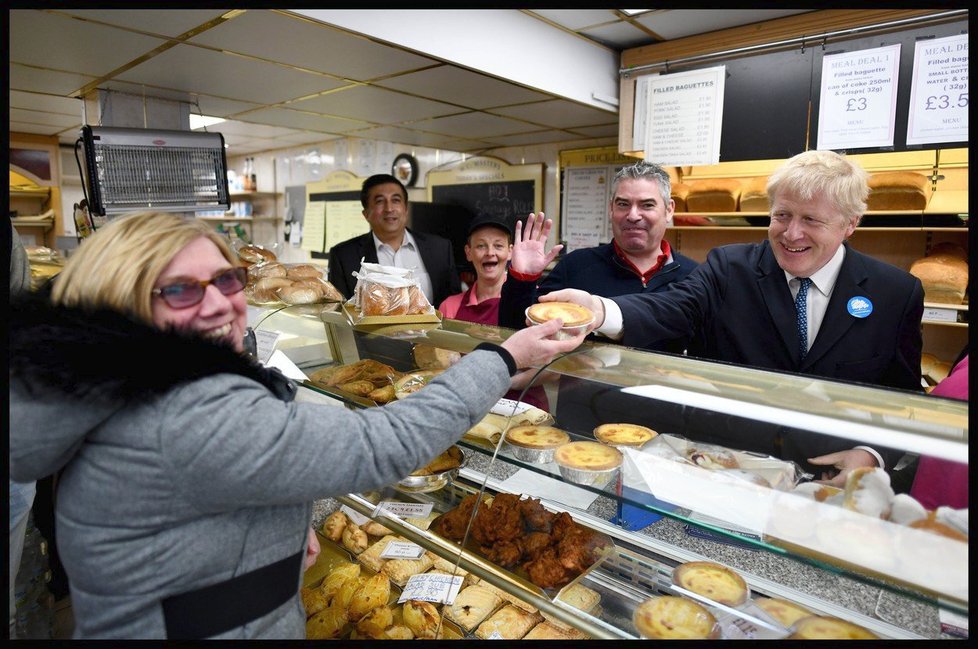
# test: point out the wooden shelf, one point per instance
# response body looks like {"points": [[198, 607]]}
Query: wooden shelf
{"points": [[249, 195], [235, 219]]}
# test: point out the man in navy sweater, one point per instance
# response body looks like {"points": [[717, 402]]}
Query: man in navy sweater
{"points": [[637, 260]]}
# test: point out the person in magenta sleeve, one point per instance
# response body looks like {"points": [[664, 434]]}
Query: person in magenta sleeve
{"points": [[942, 482], [488, 247]]}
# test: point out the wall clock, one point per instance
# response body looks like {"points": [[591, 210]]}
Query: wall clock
{"points": [[405, 169]]}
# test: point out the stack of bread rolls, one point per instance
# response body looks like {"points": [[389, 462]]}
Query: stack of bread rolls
{"points": [[272, 281]]}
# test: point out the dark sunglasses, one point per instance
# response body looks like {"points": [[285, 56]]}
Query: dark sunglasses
{"points": [[181, 295]]}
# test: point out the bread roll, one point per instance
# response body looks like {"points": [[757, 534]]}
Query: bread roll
{"points": [[268, 269], [255, 254], [753, 195], [898, 190], [418, 303], [303, 271], [266, 288], [299, 295], [679, 193], [713, 195]]}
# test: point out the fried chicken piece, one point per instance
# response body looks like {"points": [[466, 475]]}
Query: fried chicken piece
{"points": [[536, 517], [534, 543], [505, 554], [546, 571], [452, 524], [500, 523], [575, 551], [562, 522]]}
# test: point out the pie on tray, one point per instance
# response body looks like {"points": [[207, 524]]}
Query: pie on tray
{"points": [[624, 434], [590, 456], [536, 436], [712, 580]]}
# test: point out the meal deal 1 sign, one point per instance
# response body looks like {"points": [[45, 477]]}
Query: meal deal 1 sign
{"points": [[939, 94], [857, 105]]}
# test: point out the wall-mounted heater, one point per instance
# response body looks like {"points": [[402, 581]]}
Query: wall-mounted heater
{"points": [[131, 169]]}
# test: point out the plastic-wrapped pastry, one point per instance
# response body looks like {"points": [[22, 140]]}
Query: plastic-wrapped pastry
{"points": [[784, 612], [712, 580], [673, 618], [823, 627]]}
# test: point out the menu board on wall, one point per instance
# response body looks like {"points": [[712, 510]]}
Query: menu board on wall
{"points": [[587, 176], [338, 197], [858, 98], [939, 94], [684, 117], [487, 186]]}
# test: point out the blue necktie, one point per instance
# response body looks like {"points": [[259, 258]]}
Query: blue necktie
{"points": [[801, 306]]}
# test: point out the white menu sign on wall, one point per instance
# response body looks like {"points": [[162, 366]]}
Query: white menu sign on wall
{"points": [[939, 93], [585, 209], [685, 112], [857, 103]]}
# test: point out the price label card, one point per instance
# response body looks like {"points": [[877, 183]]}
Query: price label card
{"points": [[940, 315], [857, 103], [507, 407], [402, 550], [266, 344], [356, 517], [427, 587], [404, 510], [939, 91]]}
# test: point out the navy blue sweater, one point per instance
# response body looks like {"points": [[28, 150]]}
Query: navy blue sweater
{"points": [[598, 271]]}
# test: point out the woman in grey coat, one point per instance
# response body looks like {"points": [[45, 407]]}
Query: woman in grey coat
{"points": [[187, 471]]}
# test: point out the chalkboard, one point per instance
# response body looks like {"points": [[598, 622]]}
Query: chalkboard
{"points": [[503, 201]]}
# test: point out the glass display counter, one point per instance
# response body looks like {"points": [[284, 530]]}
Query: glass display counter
{"points": [[720, 468]]}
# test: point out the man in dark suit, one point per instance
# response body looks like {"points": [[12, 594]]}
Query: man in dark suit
{"points": [[803, 301], [390, 242]]}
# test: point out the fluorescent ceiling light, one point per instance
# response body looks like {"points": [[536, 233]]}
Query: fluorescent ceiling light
{"points": [[633, 12], [200, 121]]}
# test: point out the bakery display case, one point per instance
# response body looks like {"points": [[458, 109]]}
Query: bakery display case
{"points": [[685, 468]]}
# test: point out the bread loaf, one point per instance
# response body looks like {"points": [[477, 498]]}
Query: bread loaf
{"points": [[679, 193], [943, 273], [293, 294], [898, 190], [304, 271], [713, 195], [268, 269], [753, 195]]}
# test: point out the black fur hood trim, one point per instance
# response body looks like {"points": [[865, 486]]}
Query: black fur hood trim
{"points": [[103, 355]]}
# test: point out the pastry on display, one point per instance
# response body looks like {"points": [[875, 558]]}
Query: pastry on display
{"points": [[471, 606], [373, 528], [337, 577], [823, 627], [588, 463], [254, 254], [712, 457], [313, 600], [784, 612], [400, 570], [624, 434], [449, 459], [413, 381], [508, 623], [429, 357], [712, 580], [548, 631], [354, 539], [344, 595], [332, 527], [371, 556], [374, 592], [373, 624], [328, 624], [421, 617], [904, 510], [535, 443], [868, 492], [668, 617], [578, 596]]}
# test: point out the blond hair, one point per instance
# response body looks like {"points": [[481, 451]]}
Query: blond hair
{"points": [[823, 173], [118, 266]]}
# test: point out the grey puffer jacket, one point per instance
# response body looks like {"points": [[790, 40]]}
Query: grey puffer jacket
{"points": [[185, 465]]}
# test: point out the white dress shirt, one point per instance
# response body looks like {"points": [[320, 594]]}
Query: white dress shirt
{"points": [[406, 256]]}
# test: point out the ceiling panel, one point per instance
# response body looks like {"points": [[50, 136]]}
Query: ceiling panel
{"points": [[38, 117], [309, 45], [418, 138], [462, 87], [677, 23], [598, 131], [36, 129], [297, 119], [71, 45], [539, 137], [478, 125], [575, 19], [209, 105], [45, 103], [558, 113], [250, 130], [375, 105], [303, 137], [204, 71], [155, 21], [23, 77], [620, 35]]}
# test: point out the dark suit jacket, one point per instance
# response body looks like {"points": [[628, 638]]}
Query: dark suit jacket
{"points": [[740, 307], [435, 252]]}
